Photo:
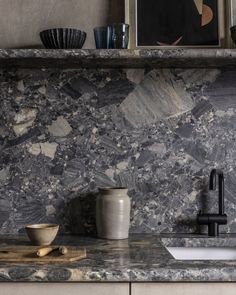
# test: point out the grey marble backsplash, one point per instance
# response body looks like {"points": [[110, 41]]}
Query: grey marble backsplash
{"points": [[65, 133]]}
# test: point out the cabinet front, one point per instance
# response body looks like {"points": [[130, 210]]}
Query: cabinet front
{"points": [[183, 289], [64, 288]]}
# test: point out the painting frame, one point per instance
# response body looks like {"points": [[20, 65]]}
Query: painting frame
{"points": [[233, 12], [226, 8], [232, 20]]}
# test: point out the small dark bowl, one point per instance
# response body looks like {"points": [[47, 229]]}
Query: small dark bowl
{"points": [[63, 38], [233, 34]]}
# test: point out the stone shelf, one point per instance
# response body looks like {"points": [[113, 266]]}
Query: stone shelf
{"points": [[92, 58]]}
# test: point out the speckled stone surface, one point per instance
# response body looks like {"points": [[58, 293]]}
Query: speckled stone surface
{"points": [[64, 133], [142, 258], [91, 58]]}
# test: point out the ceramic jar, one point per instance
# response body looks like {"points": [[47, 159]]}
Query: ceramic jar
{"points": [[113, 213]]}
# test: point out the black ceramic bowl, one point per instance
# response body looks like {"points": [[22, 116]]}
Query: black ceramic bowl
{"points": [[233, 34], [63, 38]]}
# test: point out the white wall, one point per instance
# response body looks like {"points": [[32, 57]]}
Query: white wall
{"points": [[22, 20]]}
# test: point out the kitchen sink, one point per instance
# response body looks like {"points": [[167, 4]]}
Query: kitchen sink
{"points": [[203, 253]]}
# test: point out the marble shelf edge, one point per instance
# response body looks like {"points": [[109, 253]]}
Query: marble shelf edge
{"points": [[115, 58]]}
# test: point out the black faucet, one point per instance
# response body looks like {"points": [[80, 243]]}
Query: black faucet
{"points": [[214, 220]]}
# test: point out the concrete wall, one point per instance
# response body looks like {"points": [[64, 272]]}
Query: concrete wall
{"points": [[22, 20]]}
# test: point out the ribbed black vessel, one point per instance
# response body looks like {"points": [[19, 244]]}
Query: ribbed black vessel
{"points": [[63, 38]]}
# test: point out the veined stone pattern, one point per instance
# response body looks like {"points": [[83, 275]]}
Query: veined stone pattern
{"points": [[65, 133]]}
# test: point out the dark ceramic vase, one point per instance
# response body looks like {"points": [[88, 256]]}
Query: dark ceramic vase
{"points": [[63, 38]]}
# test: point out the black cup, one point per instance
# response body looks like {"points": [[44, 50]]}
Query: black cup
{"points": [[120, 36], [102, 37]]}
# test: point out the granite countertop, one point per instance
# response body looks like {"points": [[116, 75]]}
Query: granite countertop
{"points": [[142, 258], [117, 58]]}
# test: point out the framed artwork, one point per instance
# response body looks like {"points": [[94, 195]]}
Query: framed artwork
{"points": [[233, 12], [233, 18], [182, 23]]}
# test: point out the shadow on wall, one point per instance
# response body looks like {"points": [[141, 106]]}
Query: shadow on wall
{"points": [[204, 197], [29, 47], [187, 223], [116, 11], [190, 221], [81, 214]]}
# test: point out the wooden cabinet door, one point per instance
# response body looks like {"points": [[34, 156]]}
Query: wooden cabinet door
{"points": [[183, 289], [64, 289]]}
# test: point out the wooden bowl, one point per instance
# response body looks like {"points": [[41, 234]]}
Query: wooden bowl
{"points": [[42, 234]]}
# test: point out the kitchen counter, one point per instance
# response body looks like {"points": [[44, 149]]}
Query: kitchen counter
{"points": [[142, 258], [118, 58]]}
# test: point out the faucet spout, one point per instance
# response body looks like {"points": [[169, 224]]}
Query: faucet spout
{"points": [[212, 187], [214, 220]]}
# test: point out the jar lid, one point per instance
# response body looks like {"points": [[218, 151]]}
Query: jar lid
{"points": [[113, 190]]}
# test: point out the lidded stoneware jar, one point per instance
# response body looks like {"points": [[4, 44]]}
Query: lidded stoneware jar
{"points": [[113, 213]]}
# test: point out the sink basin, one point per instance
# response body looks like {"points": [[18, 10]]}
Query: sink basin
{"points": [[201, 253]]}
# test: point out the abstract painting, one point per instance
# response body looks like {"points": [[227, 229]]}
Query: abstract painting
{"points": [[177, 23]]}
